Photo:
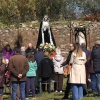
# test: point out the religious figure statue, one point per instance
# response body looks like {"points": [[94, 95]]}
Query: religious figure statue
{"points": [[81, 38], [45, 33]]}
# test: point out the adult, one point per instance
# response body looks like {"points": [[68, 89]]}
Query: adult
{"points": [[2, 76], [68, 85], [92, 74], [59, 72], [7, 52], [96, 63], [18, 65], [46, 71], [39, 56], [87, 52], [77, 75], [30, 49], [45, 33], [23, 51]]}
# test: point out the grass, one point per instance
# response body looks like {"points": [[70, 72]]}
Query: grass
{"points": [[57, 96]]}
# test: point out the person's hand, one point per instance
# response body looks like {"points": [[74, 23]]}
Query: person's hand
{"points": [[20, 76], [61, 66]]}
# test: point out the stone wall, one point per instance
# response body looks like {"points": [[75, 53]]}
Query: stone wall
{"points": [[61, 34]]}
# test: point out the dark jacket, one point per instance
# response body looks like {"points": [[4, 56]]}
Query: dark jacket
{"points": [[2, 74], [18, 64], [28, 50], [87, 52], [46, 68], [68, 59], [38, 57], [96, 59]]}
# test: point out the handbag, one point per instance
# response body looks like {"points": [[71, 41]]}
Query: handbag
{"points": [[67, 70]]}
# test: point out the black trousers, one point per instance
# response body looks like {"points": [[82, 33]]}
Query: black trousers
{"points": [[46, 80], [68, 87]]}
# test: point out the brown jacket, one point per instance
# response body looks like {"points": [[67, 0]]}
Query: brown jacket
{"points": [[18, 64]]}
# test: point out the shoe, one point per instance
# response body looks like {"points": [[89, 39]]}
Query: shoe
{"points": [[60, 91], [26, 98], [33, 98], [56, 91], [65, 98], [97, 95]]}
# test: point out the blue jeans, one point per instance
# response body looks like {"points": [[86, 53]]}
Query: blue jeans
{"points": [[1, 90], [77, 91], [98, 82], [14, 90], [93, 82]]}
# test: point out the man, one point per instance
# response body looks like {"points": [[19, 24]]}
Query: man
{"points": [[67, 91], [30, 49], [87, 52], [96, 63], [18, 66], [38, 57]]}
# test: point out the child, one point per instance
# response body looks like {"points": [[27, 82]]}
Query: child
{"points": [[31, 75], [46, 71], [58, 60]]}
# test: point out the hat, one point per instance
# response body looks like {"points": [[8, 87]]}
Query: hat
{"points": [[97, 42]]}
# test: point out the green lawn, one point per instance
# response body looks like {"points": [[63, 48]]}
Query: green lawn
{"points": [[56, 96]]}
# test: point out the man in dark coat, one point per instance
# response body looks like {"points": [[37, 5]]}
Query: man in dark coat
{"points": [[87, 52], [39, 56], [30, 49], [67, 91], [96, 63], [18, 66]]}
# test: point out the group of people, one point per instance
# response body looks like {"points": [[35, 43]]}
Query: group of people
{"points": [[27, 67]]}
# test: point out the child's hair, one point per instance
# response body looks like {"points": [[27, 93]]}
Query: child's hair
{"points": [[58, 51], [30, 57]]}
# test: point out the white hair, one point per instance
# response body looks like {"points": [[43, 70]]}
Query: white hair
{"points": [[58, 51]]}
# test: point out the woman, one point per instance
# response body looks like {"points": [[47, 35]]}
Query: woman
{"points": [[45, 33], [7, 52], [31, 74], [2, 76], [77, 74], [58, 60]]}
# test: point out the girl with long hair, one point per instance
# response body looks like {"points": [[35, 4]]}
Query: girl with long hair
{"points": [[77, 74]]}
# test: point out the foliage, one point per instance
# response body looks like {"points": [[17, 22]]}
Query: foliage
{"points": [[15, 11], [47, 47]]}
